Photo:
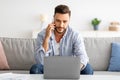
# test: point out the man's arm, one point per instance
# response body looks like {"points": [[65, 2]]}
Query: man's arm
{"points": [[49, 30], [42, 44], [45, 44], [79, 50]]}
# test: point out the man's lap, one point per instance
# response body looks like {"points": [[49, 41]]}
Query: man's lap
{"points": [[38, 69]]}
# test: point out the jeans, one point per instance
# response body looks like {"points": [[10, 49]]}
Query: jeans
{"points": [[38, 69]]}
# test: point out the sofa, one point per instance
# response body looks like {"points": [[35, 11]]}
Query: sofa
{"points": [[19, 53]]}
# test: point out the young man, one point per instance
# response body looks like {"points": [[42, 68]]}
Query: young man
{"points": [[58, 39]]}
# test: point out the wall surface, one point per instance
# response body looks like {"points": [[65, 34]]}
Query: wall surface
{"points": [[18, 18]]}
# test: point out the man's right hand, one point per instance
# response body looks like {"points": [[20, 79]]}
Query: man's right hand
{"points": [[49, 30]]}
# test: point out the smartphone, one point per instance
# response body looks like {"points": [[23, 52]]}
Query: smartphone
{"points": [[53, 23]]}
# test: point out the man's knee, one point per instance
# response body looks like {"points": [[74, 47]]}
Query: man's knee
{"points": [[88, 70], [36, 69]]}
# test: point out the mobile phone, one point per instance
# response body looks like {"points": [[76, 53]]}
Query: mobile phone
{"points": [[54, 24]]}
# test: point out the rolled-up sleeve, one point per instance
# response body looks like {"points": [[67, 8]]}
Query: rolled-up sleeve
{"points": [[79, 50], [39, 50]]}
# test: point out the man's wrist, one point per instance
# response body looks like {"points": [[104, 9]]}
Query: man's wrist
{"points": [[47, 38], [81, 66]]}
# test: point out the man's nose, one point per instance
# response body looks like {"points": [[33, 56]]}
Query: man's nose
{"points": [[61, 24]]}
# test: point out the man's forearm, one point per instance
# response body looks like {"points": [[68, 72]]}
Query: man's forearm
{"points": [[45, 44]]}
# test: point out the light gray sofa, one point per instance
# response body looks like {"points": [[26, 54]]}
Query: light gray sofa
{"points": [[20, 53]]}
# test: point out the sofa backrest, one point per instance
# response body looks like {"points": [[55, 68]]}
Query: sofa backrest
{"points": [[99, 51], [20, 52]]}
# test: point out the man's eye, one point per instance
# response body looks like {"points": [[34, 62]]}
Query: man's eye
{"points": [[65, 21]]}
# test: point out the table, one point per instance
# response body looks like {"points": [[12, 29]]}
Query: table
{"points": [[82, 77], [40, 77]]}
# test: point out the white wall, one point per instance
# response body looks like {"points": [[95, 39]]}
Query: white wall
{"points": [[19, 17]]}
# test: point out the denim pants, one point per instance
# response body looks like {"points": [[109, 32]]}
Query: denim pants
{"points": [[38, 69]]}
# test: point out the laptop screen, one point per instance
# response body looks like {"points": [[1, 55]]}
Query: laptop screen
{"points": [[61, 67]]}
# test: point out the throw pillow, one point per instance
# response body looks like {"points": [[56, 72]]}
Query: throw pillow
{"points": [[3, 59], [115, 57]]}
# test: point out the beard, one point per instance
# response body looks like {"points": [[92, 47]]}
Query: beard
{"points": [[60, 30]]}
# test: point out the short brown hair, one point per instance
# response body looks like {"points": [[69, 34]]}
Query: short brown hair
{"points": [[63, 9]]}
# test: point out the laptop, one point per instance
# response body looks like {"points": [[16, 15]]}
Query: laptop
{"points": [[61, 67]]}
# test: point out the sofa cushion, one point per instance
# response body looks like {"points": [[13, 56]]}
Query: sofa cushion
{"points": [[19, 52], [3, 59], [99, 51], [115, 57], [106, 73]]}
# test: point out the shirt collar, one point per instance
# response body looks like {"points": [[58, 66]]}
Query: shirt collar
{"points": [[66, 32]]}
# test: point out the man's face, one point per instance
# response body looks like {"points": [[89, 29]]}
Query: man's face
{"points": [[61, 22]]}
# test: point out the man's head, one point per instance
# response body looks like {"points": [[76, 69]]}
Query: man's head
{"points": [[61, 18], [62, 9]]}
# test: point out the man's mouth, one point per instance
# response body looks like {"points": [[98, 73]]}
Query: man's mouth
{"points": [[60, 30]]}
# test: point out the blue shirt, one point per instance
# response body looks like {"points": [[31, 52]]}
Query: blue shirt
{"points": [[71, 44]]}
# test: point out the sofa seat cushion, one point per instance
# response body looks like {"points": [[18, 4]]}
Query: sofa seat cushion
{"points": [[15, 71], [27, 72], [106, 73]]}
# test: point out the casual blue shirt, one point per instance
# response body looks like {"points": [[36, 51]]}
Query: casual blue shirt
{"points": [[71, 44]]}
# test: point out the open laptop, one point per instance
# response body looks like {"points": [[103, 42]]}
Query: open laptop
{"points": [[61, 67]]}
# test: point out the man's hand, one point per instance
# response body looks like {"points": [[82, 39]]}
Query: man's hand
{"points": [[49, 30], [81, 66]]}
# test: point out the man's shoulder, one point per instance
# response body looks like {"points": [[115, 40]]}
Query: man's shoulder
{"points": [[42, 33], [73, 31], [75, 35]]}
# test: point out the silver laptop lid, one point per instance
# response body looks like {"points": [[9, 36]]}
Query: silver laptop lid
{"points": [[61, 67]]}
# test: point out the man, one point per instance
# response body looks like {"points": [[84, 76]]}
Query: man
{"points": [[58, 39]]}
